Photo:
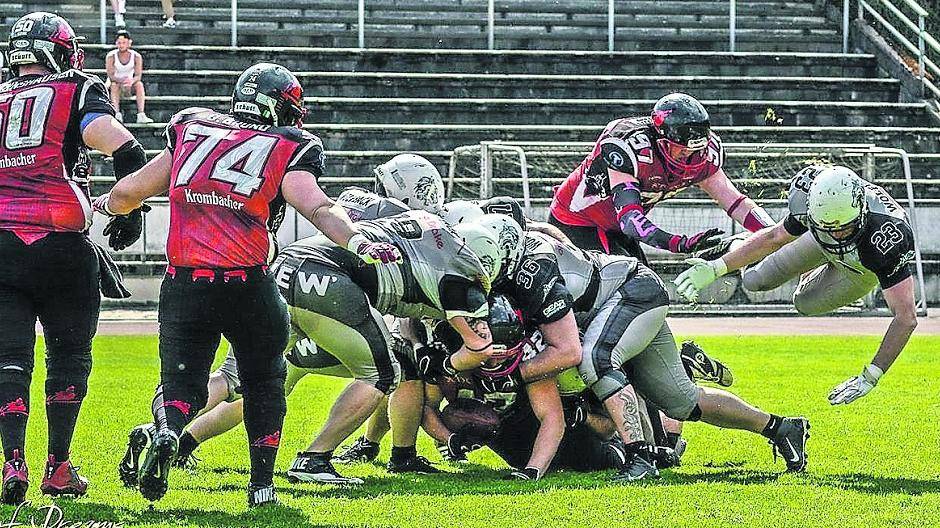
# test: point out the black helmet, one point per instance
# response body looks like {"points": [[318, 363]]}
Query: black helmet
{"points": [[269, 94], [45, 39], [682, 124]]}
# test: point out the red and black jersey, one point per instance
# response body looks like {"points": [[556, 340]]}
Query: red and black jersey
{"points": [[626, 145], [43, 162], [225, 186]]}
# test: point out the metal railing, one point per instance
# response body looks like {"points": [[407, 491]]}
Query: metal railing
{"points": [[925, 41]]}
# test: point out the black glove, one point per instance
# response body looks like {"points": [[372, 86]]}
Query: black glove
{"points": [[700, 241], [576, 411], [509, 383], [124, 230], [462, 442], [721, 248], [529, 473], [433, 361]]}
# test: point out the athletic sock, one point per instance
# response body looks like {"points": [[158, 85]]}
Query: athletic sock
{"points": [[14, 412], [672, 439], [63, 402], [401, 454], [265, 407], [773, 425], [188, 444]]}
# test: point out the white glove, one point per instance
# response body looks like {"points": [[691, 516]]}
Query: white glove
{"points": [[701, 273], [856, 387]]}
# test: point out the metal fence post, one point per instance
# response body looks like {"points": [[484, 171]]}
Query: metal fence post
{"points": [[104, 22], [732, 21], [234, 23], [920, 53], [362, 24], [610, 25], [490, 22], [845, 26]]}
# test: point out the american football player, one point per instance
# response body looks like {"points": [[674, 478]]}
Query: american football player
{"points": [[843, 236]]}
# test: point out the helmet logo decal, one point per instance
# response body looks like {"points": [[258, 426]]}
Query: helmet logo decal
{"points": [[659, 117], [426, 191]]}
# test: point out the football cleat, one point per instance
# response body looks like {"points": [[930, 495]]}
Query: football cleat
{"points": [[361, 450], [415, 464], [313, 467], [154, 471], [15, 480], [261, 495], [188, 462], [700, 367], [636, 467], [137, 441], [667, 457], [790, 442], [62, 479]]}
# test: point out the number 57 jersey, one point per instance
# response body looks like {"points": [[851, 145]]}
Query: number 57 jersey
{"points": [[43, 161], [225, 187]]}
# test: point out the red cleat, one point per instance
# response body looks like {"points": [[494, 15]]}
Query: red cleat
{"points": [[15, 480], [62, 478]]}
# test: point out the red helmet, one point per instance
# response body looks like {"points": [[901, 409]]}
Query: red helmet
{"points": [[45, 39], [683, 127]]}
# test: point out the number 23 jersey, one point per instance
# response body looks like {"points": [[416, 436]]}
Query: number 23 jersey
{"points": [[225, 187], [626, 145]]}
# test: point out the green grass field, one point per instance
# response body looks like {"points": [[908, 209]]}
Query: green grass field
{"points": [[874, 463]]}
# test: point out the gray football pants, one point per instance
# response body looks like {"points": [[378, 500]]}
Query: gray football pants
{"points": [[826, 286]]}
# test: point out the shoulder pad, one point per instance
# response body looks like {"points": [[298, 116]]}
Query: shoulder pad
{"points": [[798, 192], [187, 114], [880, 202]]}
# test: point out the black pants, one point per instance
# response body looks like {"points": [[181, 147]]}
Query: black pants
{"points": [[196, 309], [55, 280], [589, 239]]}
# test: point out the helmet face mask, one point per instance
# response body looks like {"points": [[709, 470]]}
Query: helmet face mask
{"points": [[683, 126], [508, 332], [44, 39], [837, 209]]}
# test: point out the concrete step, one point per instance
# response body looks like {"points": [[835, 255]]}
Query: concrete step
{"points": [[419, 137], [569, 111], [386, 84], [190, 58], [648, 38]]}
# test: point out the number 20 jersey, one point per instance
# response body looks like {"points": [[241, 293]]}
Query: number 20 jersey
{"points": [[225, 187], [43, 161], [626, 145]]}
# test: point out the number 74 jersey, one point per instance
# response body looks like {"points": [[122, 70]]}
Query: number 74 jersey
{"points": [[225, 187], [43, 161]]}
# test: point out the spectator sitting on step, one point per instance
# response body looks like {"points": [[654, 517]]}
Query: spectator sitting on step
{"points": [[168, 13], [125, 68]]}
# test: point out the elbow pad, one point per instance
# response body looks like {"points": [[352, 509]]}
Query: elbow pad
{"points": [[130, 157]]}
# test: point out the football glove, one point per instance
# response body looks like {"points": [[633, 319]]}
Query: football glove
{"points": [[856, 387], [373, 252], [433, 361], [723, 246], [461, 443], [529, 473], [501, 384], [576, 411], [699, 241], [701, 273]]}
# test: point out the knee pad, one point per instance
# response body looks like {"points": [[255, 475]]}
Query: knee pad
{"points": [[683, 408], [266, 397], [16, 374], [803, 307], [68, 372], [609, 384], [257, 370]]}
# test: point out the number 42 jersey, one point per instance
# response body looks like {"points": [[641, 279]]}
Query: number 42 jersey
{"points": [[225, 187]]}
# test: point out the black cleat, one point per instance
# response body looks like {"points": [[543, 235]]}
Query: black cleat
{"points": [[790, 442], [155, 469], [668, 457], [312, 467], [416, 464], [361, 450], [261, 495], [637, 467], [700, 367], [137, 441]]}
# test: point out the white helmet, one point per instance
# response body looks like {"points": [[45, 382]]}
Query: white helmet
{"points": [[413, 180], [510, 236], [460, 211], [836, 208], [484, 245]]}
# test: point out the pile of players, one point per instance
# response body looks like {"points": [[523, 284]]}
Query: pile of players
{"points": [[548, 340]]}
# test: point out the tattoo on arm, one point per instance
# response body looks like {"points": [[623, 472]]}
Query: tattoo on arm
{"points": [[481, 328], [631, 418]]}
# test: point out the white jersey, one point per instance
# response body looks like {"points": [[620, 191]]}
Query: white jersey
{"points": [[121, 70]]}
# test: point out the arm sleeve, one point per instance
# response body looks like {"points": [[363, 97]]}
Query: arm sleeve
{"points": [[308, 156], [793, 226], [635, 224], [461, 297], [539, 291]]}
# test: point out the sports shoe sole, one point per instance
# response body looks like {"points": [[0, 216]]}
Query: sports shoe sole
{"points": [[154, 472], [63, 492], [128, 468], [322, 478], [14, 491]]}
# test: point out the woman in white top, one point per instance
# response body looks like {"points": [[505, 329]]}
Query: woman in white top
{"points": [[125, 68]]}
